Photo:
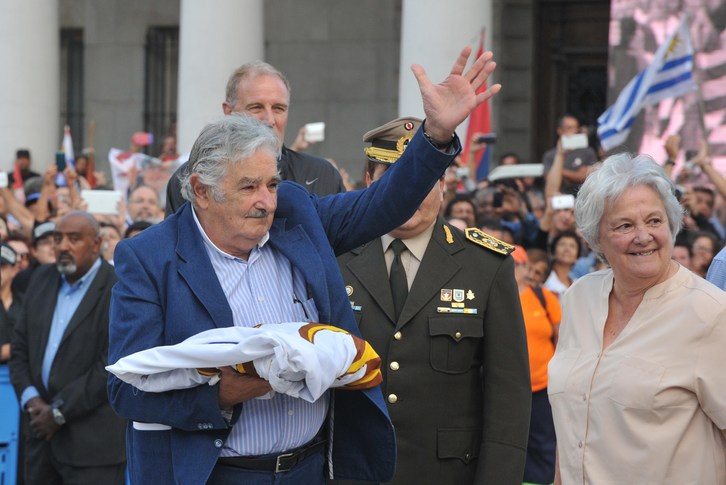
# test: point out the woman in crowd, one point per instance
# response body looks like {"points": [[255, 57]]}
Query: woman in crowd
{"points": [[636, 383], [565, 252], [542, 315], [704, 246]]}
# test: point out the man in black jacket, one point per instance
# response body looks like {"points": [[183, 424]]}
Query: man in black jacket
{"points": [[258, 89]]}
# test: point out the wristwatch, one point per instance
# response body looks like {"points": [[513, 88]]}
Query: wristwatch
{"points": [[58, 417]]}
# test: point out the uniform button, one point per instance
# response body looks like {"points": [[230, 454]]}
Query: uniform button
{"points": [[467, 456], [397, 335], [579, 444], [200, 426], [394, 365], [457, 335], [392, 398], [218, 443]]}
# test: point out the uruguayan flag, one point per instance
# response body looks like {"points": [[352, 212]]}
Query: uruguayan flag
{"points": [[670, 74]]}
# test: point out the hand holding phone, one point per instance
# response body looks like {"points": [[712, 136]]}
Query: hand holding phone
{"points": [[315, 132], [60, 161], [560, 202], [574, 142]]}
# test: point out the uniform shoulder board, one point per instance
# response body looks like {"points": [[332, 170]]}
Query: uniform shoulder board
{"points": [[483, 239]]}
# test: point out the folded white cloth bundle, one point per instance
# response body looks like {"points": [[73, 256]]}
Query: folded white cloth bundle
{"points": [[300, 359]]}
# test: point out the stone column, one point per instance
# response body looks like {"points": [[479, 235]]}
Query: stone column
{"points": [[214, 39], [432, 34], [30, 80]]}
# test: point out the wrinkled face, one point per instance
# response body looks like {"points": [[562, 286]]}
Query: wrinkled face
{"points": [[77, 246], [426, 213], [237, 224], [465, 211], [266, 98], [635, 237], [143, 204]]}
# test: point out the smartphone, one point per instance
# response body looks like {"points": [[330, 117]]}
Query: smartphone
{"points": [[60, 161], [101, 201], [560, 202], [142, 139], [315, 132], [3, 180], [574, 142], [489, 138], [498, 199]]}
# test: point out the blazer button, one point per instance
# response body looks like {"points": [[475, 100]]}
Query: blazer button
{"points": [[394, 365], [392, 398], [200, 426], [218, 443], [457, 335], [397, 335]]}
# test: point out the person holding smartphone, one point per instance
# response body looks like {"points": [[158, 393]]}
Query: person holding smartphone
{"points": [[578, 155]]}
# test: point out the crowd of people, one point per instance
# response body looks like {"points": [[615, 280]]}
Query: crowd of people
{"points": [[609, 257]]}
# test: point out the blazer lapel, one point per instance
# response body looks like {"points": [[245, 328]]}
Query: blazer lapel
{"points": [[45, 317], [90, 299], [369, 266], [296, 246], [197, 271], [437, 267]]}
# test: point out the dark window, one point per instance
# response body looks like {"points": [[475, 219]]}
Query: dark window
{"points": [[71, 88], [160, 91]]}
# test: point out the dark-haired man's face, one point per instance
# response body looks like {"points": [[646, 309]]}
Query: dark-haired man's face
{"points": [[77, 247]]}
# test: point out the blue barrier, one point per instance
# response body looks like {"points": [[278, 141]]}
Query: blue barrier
{"points": [[9, 422]]}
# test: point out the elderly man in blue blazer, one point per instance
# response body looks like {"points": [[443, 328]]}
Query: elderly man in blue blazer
{"points": [[249, 249]]}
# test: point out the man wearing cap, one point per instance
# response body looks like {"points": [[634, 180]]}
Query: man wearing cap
{"points": [[249, 249], [41, 251], [258, 89], [59, 351], [441, 308]]}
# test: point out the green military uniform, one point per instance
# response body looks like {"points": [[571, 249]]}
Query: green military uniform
{"points": [[456, 373], [455, 364]]}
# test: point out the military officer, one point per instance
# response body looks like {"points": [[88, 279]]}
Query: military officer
{"points": [[442, 309]]}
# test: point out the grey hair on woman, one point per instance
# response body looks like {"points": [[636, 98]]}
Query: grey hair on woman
{"points": [[606, 184], [232, 139]]}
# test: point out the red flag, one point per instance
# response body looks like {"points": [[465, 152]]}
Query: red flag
{"points": [[480, 119]]}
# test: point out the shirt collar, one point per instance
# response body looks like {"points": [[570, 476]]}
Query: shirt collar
{"points": [[417, 244], [209, 242]]}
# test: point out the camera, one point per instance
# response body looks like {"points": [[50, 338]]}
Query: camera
{"points": [[560, 202], [489, 138], [462, 172]]}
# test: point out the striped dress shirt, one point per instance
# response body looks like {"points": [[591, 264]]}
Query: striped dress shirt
{"points": [[267, 289]]}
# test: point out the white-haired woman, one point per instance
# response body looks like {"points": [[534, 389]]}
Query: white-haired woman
{"points": [[637, 382]]}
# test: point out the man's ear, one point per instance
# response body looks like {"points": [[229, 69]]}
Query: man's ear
{"points": [[226, 108], [201, 192], [368, 179]]}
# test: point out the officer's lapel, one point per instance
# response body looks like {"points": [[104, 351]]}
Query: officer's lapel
{"points": [[369, 267], [437, 267]]}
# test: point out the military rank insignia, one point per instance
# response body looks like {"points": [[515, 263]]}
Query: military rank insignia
{"points": [[483, 239], [455, 297]]}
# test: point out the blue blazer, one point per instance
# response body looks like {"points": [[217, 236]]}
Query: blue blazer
{"points": [[168, 291]]}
